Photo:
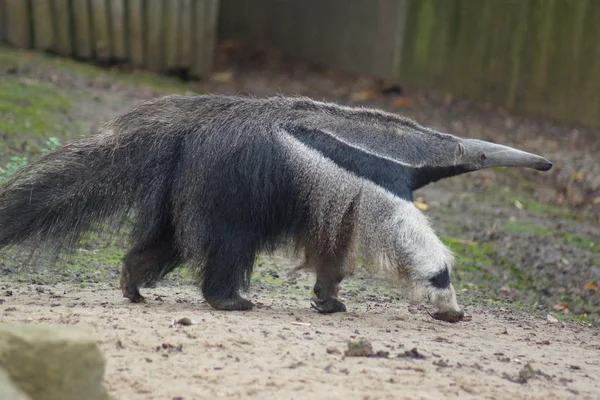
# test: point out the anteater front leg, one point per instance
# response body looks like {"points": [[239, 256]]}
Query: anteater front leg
{"points": [[332, 264]]}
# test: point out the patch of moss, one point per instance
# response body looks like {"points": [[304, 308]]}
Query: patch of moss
{"points": [[568, 238], [29, 113], [17, 58]]}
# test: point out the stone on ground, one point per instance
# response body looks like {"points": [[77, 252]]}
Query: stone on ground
{"points": [[8, 390], [53, 362]]}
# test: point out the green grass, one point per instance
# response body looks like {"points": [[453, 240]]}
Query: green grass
{"points": [[30, 112], [13, 58], [568, 238]]}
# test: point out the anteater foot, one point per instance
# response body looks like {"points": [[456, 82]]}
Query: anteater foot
{"points": [[130, 291], [328, 306], [133, 295], [236, 303], [448, 316]]}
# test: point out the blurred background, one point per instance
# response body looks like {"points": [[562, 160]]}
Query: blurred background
{"points": [[524, 73]]}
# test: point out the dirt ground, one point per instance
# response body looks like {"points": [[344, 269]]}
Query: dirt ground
{"points": [[527, 244]]}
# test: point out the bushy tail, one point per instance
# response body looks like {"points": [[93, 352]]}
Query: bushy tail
{"points": [[85, 184]]}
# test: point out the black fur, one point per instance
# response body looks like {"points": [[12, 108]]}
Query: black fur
{"points": [[386, 173], [220, 185], [441, 280], [211, 181]]}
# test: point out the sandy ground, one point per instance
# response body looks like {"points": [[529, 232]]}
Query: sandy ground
{"points": [[285, 350]]}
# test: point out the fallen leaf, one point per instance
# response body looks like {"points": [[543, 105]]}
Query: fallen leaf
{"points": [[403, 102], [185, 321], [551, 319], [222, 77], [363, 95], [591, 286], [465, 241], [578, 176], [505, 289], [560, 306], [518, 204], [421, 206], [300, 323]]}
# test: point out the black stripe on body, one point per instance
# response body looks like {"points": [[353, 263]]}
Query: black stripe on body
{"points": [[385, 173]]}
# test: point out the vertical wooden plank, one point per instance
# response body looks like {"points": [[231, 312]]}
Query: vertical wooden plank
{"points": [[199, 14], [184, 54], [205, 27], [521, 14], [589, 100], [135, 33], [2, 22], [118, 32], [42, 25], [62, 34], [581, 8], [17, 23], [155, 35], [82, 38], [171, 33], [101, 30]]}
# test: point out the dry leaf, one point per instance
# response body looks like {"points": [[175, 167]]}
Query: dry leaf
{"points": [[363, 95], [578, 176], [421, 206], [591, 286], [222, 77], [465, 241], [403, 102], [300, 323], [551, 319], [560, 306]]}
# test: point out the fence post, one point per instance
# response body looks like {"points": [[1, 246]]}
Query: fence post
{"points": [[2, 22], [204, 36], [184, 56], [135, 34], [101, 30], [155, 35], [63, 29], [43, 32], [82, 40], [171, 34], [118, 32], [17, 28]]}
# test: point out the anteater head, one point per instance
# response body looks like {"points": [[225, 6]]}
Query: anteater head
{"points": [[454, 156]]}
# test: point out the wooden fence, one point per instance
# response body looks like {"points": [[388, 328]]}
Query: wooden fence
{"points": [[159, 35], [360, 36], [540, 57]]}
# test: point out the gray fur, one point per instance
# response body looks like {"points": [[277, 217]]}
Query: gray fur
{"points": [[328, 177]]}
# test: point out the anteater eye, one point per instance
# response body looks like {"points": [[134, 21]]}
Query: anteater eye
{"points": [[482, 157]]}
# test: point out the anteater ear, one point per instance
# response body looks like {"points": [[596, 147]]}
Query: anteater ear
{"points": [[459, 153]]}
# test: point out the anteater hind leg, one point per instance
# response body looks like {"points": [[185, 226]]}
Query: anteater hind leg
{"points": [[330, 272], [145, 264], [227, 270]]}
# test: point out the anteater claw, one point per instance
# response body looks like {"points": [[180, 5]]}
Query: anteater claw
{"points": [[448, 316], [328, 306]]}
